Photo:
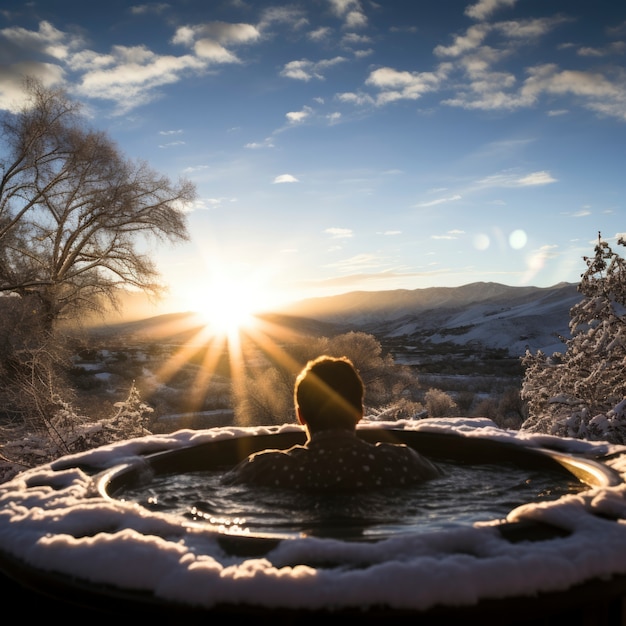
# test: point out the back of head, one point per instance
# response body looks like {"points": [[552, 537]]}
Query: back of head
{"points": [[329, 394]]}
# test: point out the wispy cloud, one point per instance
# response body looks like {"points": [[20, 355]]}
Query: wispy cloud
{"points": [[536, 178], [268, 142], [339, 233], [358, 262], [515, 180], [152, 7], [453, 198], [451, 234], [583, 212], [613, 48]]}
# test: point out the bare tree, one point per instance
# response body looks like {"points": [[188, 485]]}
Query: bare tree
{"points": [[73, 210], [74, 215]]}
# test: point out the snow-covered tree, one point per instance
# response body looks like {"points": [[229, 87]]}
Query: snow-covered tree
{"points": [[582, 391], [67, 432]]}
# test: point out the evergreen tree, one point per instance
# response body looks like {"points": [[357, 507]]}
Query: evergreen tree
{"points": [[582, 392]]}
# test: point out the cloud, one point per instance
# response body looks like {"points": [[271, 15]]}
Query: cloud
{"points": [[266, 143], [474, 57], [615, 47], [451, 234], [292, 16], [403, 85], [357, 262], [214, 52], [473, 37], [536, 178], [484, 8], [339, 233], [529, 29], [297, 117], [584, 212], [547, 78], [12, 81], [319, 34], [359, 99], [132, 73], [353, 39], [440, 201], [285, 178], [307, 70], [350, 11], [195, 168], [595, 90], [143, 9], [39, 54], [207, 204], [48, 40], [385, 279], [209, 40], [127, 75], [512, 180], [221, 32]]}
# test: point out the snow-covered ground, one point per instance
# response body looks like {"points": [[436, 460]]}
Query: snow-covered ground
{"points": [[51, 519]]}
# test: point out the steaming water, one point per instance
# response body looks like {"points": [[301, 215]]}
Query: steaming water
{"points": [[463, 495]]}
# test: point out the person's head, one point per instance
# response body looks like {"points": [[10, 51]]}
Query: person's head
{"points": [[329, 394]]}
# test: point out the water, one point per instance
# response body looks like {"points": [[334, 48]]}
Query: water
{"points": [[463, 495]]}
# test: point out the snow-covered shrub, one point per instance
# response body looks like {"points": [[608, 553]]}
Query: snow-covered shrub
{"points": [[439, 404], [580, 392], [66, 432], [401, 409]]}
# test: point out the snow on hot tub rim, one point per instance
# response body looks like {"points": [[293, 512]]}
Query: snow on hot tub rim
{"points": [[52, 521]]}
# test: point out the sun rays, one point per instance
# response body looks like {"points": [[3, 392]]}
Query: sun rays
{"points": [[235, 354]]}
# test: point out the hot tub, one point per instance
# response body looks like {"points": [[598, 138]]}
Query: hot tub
{"points": [[69, 541]]}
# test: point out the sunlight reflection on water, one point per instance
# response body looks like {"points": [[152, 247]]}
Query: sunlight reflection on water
{"points": [[462, 496]]}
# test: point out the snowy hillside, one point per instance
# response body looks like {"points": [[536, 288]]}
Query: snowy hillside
{"points": [[486, 314]]}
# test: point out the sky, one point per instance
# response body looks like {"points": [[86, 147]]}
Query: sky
{"points": [[50, 520], [344, 145]]}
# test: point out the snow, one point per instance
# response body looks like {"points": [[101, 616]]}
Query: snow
{"points": [[51, 519]]}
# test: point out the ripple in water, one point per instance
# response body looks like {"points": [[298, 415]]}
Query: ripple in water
{"points": [[465, 494]]}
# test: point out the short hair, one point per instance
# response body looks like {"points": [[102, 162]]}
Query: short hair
{"points": [[329, 394]]}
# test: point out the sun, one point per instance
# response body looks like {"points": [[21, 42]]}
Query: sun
{"points": [[226, 309], [227, 303]]}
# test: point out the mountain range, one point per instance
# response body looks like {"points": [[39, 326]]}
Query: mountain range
{"points": [[480, 316], [488, 315]]}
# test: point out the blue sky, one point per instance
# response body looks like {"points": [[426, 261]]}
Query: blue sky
{"points": [[342, 145]]}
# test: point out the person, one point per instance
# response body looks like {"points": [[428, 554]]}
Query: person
{"points": [[328, 398]]}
